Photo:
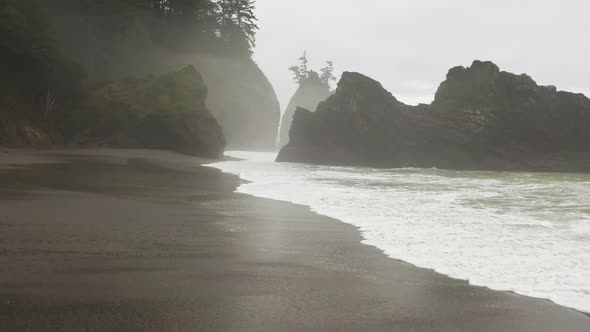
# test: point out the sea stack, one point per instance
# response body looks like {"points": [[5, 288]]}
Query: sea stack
{"points": [[310, 93], [482, 118]]}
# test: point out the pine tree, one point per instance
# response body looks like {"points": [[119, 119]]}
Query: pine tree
{"points": [[246, 19], [237, 20], [301, 71], [327, 75]]}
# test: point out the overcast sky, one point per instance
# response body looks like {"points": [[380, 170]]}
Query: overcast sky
{"points": [[409, 45]]}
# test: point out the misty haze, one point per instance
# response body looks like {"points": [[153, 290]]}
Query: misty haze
{"points": [[312, 165]]}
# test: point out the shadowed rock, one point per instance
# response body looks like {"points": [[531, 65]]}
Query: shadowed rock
{"points": [[163, 112], [481, 119], [310, 93]]}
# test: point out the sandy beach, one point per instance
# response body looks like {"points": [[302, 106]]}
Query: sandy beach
{"points": [[119, 240]]}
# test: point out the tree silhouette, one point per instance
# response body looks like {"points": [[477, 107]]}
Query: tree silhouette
{"points": [[237, 20], [327, 75], [302, 72]]}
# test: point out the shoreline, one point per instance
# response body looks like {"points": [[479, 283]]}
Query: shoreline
{"points": [[323, 206], [382, 252], [176, 248]]}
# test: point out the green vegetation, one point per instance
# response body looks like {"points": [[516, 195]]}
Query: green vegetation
{"points": [[301, 72], [106, 72], [165, 112], [39, 83], [116, 38]]}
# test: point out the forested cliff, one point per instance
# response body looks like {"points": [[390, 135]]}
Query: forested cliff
{"points": [[93, 43]]}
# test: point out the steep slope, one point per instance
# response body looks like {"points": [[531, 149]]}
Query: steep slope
{"points": [[165, 112], [38, 81], [309, 94], [482, 119], [242, 99], [240, 96]]}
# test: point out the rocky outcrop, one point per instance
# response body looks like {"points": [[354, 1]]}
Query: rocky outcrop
{"points": [[481, 119], [242, 99], [164, 112], [240, 96], [310, 93]]}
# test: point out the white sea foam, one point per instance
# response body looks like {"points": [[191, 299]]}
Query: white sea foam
{"points": [[522, 232]]}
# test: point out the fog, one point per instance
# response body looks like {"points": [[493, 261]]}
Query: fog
{"points": [[408, 45]]}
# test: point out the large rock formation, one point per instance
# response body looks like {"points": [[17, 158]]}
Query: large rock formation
{"points": [[240, 95], [52, 55], [242, 99], [481, 119], [165, 112], [310, 93]]}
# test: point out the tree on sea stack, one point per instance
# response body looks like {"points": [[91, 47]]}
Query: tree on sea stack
{"points": [[238, 21], [301, 72], [327, 75], [313, 88]]}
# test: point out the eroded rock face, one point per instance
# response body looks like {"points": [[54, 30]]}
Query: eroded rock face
{"points": [[481, 119], [159, 112], [310, 93], [242, 99]]}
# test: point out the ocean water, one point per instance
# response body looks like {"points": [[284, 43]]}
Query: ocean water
{"points": [[522, 232]]}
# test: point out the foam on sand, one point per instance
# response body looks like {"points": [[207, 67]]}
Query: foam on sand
{"points": [[522, 232]]}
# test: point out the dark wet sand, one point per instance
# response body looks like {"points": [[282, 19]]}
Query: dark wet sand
{"points": [[103, 242]]}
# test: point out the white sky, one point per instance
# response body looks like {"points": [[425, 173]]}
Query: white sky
{"points": [[409, 45]]}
